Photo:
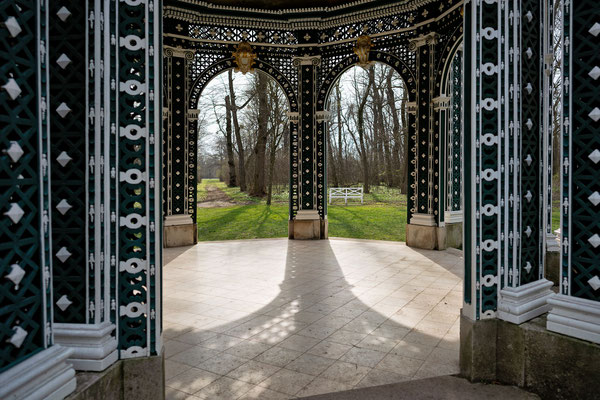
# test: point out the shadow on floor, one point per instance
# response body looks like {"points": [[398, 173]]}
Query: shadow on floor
{"points": [[364, 314]]}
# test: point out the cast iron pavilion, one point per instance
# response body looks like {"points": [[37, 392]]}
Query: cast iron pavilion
{"points": [[98, 136]]}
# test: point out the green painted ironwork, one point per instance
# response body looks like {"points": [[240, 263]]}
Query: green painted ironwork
{"points": [[455, 139], [69, 161], [139, 213], [580, 227], [531, 230], [24, 218]]}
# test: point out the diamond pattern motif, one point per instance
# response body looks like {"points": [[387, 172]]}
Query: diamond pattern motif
{"points": [[12, 88], [22, 297], [15, 151], [63, 61], [67, 37], [595, 240], [15, 213], [16, 274], [13, 26], [595, 198]]}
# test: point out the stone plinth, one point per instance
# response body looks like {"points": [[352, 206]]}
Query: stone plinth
{"points": [[180, 230], [552, 365], [306, 225], [454, 232], [136, 378], [423, 233]]}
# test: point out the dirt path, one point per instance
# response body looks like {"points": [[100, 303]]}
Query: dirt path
{"points": [[215, 198]]}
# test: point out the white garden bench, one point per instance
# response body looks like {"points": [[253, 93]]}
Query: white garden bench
{"points": [[346, 193]]}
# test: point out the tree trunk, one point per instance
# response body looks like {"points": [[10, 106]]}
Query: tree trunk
{"points": [[271, 169], [361, 135], [338, 99], [258, 186], [229, 144], [397, 146], [238, 135]]}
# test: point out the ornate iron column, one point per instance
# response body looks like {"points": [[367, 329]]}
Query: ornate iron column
{"points": [[179, 150], [138, 51], [451, 160], [576, 309], [504, 263], [308, 221], [31, 364], [81, 202], [422, 230]]}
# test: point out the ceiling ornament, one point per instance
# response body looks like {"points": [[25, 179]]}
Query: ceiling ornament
{"points": [[362, 49], [244, 58]]}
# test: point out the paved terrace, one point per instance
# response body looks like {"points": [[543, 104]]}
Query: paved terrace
{"points": [[278, 319]]}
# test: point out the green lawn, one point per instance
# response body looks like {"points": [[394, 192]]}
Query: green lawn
{"points": [[382, 217], [262, 221]]}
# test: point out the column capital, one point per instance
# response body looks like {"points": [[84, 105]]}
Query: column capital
{"points": [[322, 115], [293, 116], [411, 107], [307, 60], [429, 39], [192, 114], [441, 103], [178, 52]]}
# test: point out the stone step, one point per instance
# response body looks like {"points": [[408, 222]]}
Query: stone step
{"points": [[438, 388]]}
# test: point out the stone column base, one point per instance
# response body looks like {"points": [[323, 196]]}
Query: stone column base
{"points": [[523, 303], [575, 317], [426, 237], [551, 365], [131, 379], [45, 375], [94, 349], [307, 226], [180, 230], [454, 234]]}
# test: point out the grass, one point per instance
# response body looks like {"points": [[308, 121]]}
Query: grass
{"points": [[261, 221], [382, 217], [243, 222]]}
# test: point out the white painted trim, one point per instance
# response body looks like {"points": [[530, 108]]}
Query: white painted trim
{"points": [[94, 349], [422, 219], [307, 215], [178, 219], [454, 217], [575, 317], [158, 186], [522, 303], [46, 375]]}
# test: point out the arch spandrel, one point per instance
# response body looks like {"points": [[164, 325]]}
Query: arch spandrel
{"points": [[377, 56], [207, 75]]}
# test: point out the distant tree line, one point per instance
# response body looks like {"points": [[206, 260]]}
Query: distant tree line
{"points": [[244, 131], [368, 129]]}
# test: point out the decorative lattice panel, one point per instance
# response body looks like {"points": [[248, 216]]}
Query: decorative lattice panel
{"points": [[581, 151], [487, 164], [531, 136], [139, 213], [455, 136], [24, 222], [69, 161]]}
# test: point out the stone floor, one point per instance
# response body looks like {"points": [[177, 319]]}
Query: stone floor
{"points": [[279, 319]]}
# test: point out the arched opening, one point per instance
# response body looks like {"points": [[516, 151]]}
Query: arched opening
{"points": [[367, 146], [243, 140], [449, 106]]}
